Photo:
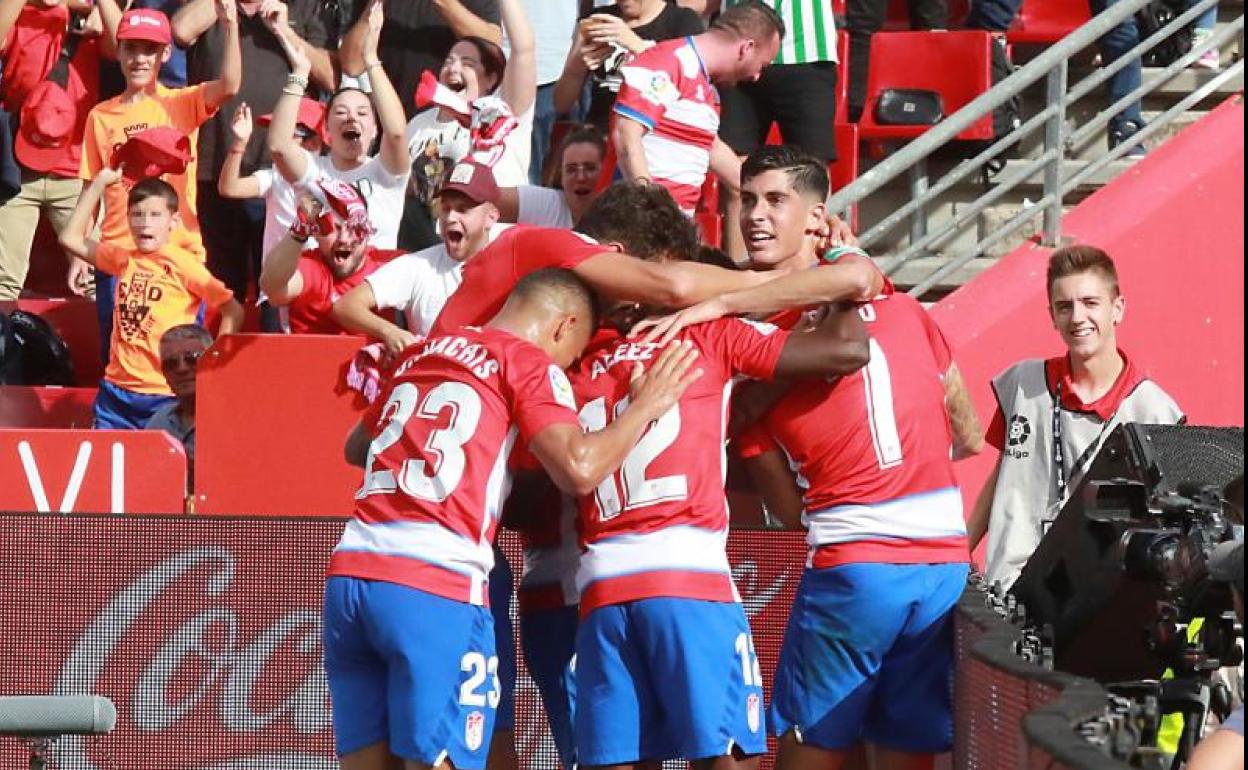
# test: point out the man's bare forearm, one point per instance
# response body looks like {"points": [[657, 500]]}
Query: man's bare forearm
{"points": [[968, 436]]}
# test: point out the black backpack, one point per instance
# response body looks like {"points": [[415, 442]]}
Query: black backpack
{"points": [[1153, 17], [32, 353]]}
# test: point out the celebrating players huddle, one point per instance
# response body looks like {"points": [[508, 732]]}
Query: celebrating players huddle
{"points": [[540, 379]]}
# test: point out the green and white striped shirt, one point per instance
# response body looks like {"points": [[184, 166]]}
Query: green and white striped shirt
{"points": [[809, 30]]}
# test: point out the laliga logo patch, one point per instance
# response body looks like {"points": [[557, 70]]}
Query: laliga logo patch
{"points": [[660, 89], [561, 387], [753, 711], [474, 730]]}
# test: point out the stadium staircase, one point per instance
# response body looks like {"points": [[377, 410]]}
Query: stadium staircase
{"points": [[929, 209]]}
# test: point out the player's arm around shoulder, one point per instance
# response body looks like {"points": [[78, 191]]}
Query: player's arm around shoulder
{"points": [[837, 346], [578, 461]]}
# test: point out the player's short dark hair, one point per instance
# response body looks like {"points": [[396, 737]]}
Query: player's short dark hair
{"points": [[153, 187], [751, 19], [709, 255], [807, 174], [1082, 258], [561, 284], [644, 219]]}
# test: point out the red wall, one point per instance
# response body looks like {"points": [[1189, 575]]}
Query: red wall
{"points": [[1174, 224]]}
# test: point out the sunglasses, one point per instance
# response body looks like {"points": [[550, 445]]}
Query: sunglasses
{"points": [[186, 359]]}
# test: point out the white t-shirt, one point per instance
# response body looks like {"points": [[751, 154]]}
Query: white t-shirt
{"points": [[435, 147], [543, 207], [382, 190], [280, 200], [512, 170], [420, 283]]}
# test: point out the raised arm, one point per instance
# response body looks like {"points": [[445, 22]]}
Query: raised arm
{"points": [[578, 461], [280, 279], [192, 20], [290, 160], [664, 284], [572, 80], [73, 238], [464, 22], [275, 14], [231, 183], [221, 90], [519, 88], [9, 11], [395, 156]]}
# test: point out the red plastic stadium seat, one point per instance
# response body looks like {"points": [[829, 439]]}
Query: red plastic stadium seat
{"points": [[844, 170], [957, 65], [24, 406], [74, 319], [707, 217], [1048, 21]]}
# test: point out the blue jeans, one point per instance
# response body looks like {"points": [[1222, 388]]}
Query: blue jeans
{"points": [[543, 123], [1117, 42]]}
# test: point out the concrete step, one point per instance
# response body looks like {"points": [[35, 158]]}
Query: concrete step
{"points": [[1188, 80], [1098, 179], [918, 269]]}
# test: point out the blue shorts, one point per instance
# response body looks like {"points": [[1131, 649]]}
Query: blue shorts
{"points": [[666, 678], [119, 409], [412, 669], [548, 640], [504, 639], [868, 655]]}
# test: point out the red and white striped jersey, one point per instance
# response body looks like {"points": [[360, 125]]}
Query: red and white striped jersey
{"points": [[659, 525], [437, 471], [872, 450], [667, 90]]}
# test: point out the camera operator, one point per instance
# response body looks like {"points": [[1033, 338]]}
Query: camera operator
{"points": [[1224, 749], [1053, 414]]}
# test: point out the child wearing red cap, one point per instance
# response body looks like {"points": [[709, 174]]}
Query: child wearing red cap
{"points": [[160, 285], [143, 44]]}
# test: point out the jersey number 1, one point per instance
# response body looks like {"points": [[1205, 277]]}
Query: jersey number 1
{"points": [[633, 489], [877, 383]]}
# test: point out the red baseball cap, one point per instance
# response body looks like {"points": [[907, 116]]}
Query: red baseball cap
{"points": [[156, 151], [145, 24], [474, 180], [311, 116], [46, 127]]}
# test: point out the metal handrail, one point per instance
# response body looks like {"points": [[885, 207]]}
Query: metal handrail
{"points": [[1052, 65]]}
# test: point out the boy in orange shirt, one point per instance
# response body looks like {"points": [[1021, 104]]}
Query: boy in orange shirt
{"points": [[159, 285], [143, 44]]}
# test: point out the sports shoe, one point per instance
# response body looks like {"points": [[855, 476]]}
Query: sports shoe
{"points": [[1123, 133]]}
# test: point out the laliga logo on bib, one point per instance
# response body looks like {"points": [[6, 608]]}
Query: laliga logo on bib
{"points": [[474, 730], [752, 712]]}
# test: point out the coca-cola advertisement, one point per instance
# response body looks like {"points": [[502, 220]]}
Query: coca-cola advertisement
{"points": [[205, 634]]}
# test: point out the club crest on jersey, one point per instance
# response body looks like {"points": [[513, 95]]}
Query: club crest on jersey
{"points": [[474, 730], [1017, 436], [561, 387], [753, 712]]}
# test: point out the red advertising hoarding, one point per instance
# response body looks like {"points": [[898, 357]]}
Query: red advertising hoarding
{"points": [[205, 633]]}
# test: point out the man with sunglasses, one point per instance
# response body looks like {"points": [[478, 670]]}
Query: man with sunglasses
{"points": [[310, 279], [181, 347]]}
